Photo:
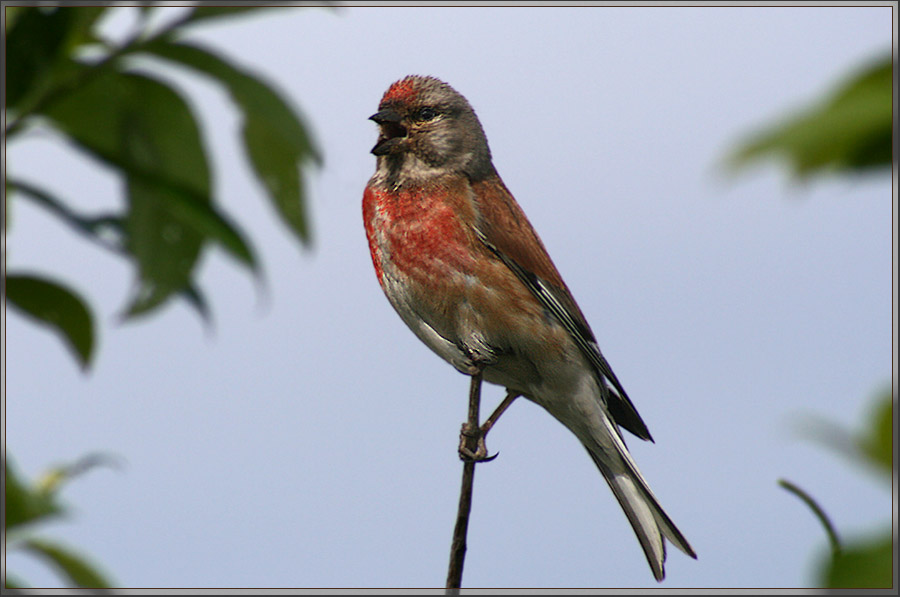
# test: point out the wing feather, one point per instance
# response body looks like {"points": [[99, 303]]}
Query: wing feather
{"points": [[505, 230]]}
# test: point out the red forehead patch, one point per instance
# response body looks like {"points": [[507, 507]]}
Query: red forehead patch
{"points": [[403, 90]]}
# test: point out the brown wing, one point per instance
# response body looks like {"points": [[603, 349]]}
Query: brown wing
{"points": [[506, 231]]}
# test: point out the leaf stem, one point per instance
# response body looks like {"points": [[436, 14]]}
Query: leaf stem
{"points": [[818, 511], [84, 226]]}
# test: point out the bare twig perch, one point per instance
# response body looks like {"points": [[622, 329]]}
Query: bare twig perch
{"points": [[472, 450], [458, 546]]}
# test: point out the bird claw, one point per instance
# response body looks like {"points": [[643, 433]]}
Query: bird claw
{"points": [[479, 455], [466, 437]]}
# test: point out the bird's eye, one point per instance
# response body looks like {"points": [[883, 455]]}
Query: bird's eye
{"points": [[425, 114]]}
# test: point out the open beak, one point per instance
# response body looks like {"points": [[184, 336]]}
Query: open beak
{"points": [[392, 132]]}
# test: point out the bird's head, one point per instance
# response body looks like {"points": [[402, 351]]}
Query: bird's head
{"points": [[427, 128]]}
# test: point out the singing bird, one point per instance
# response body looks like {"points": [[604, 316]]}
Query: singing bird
{"points": [[465, 270]]}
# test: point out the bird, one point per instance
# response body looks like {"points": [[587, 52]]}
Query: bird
{"points": [[465, 270]]}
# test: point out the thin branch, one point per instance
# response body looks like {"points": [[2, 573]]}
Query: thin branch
{"points": [[458, 546]]}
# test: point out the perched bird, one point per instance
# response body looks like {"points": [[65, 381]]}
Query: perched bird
{"points": [[463, 267]]}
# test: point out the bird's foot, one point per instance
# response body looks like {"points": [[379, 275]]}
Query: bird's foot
{"points": [[472, 447]]}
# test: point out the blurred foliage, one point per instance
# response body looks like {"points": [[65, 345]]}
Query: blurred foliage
{"points": [[848, 132], [56, 306], [63, 75], [867, 561], [877, 445], [31, 504], [863, 564]]}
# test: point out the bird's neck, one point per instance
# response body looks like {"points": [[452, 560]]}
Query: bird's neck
{"points": [[409, 171]]}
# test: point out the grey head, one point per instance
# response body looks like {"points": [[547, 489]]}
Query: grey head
{"points": [[426, 129]]}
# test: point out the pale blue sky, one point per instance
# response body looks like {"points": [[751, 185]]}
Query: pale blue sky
{"points": [[310, 441]]}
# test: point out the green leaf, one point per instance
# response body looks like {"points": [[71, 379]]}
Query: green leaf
{"points": [[275, 139], [277, 167], [24, 504], [39, 45], [877, 442], [849, 131], [866, 564], [165, 249], [196, 299], [146, 130], [34, 44], [144, 122], [57, 307], [70, 563]]}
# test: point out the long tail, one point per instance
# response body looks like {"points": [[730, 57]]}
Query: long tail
{"points": [[650, 522]]}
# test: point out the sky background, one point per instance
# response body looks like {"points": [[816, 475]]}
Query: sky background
{"points": [[310, 439]]}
